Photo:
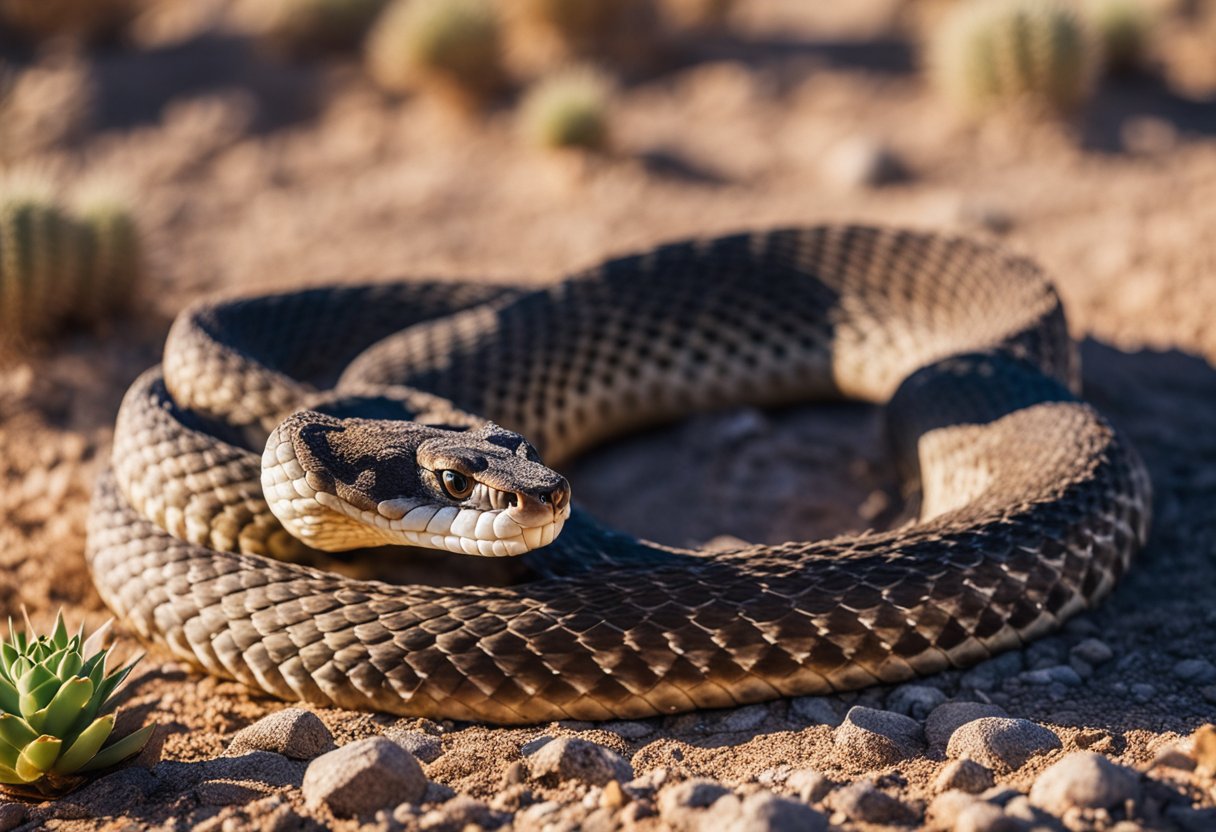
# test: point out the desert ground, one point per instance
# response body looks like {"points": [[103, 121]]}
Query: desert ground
{"points": [[257, 172]]}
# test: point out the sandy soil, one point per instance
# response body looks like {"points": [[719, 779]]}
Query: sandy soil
{"points": [[252, 173]]}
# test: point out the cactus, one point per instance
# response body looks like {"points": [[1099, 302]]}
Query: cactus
{"points": [[1125, 29], [456, 44], [39, 258], [55, 703], [568, 109], [991, 53], [111, 267], [304, 26]]}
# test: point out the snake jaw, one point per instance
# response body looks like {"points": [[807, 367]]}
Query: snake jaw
{"points": [[343, 484]]}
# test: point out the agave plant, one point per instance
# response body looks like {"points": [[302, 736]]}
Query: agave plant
{"points": [[55, 698]]}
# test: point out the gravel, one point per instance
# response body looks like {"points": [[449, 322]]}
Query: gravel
{"points": [[12, 815], [1001, 743], [816, 710], [362, 777], [292, 732], [1093, 652], [425, 747], [966, 775], [916, 701], [810, 786], [984, 817], [865, 803], [946, 718], [1086, 780], [573, 758], [760, 812], [1195, 671], [876, 738]]}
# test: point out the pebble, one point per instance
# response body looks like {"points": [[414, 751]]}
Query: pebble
{"points": [[1143, 692], [1092, 651], [916, 701], [676, 802], [810, 786], [988, 675], [1062, 673], [573, 758], [535, 744], [1196, 671], [1001, 743], [946, 718], [864, 803], [760, 812], [1203, 747], [426, 748], [984, 817], [437, 793], [966, 775], [738, 719], [863, 163], [463, 812], [878, 738], [363, 776], [944, 811], [629, 729], [12, 815], [292, 732], [1086, 780], [815, 709]]}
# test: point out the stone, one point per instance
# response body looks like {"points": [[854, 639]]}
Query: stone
{"points": [[944, 811], [12, 815], [878, 738], [630, 729], [437, 793], [815, 709], [292, 732], [946, 718], [810, 786], [759, 812], [1061, 673], [699, 793], [916, 701], [984, 817], [460, 813], [423, 746], [535, 744], [966, 775], [362, 777], [1001, 743], [739, 719], [864, 803], [573, 758], [1086, 780], [1195, 671], [1143, 692], [1203, 748], [863, 163], [990, 674], [1093, 652]]}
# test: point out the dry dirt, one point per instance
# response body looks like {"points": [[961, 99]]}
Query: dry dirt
{"points": [[252, 173]]}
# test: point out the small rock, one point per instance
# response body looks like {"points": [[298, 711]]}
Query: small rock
{"points": [[1173, 757], [864, 803], [815, 709], [363, 776], [990, 674], [760, 812], [863, 163], [1196, 671], [515, 774], [984, 817], [1000, 795], [1021, 809], [1000, 743], [292, 732], [535, 744], [426, 748], [916, 701], [1092, 651], [12, 815], [986, 216], [437, 793], [1061, 673], [1086, 780], [676, 802], [966, 775], [573, 758], [463, 812], [629, 729], [1143, 692], [946, 718], [1203, 747], [613, 796], [740, 719], [878, 738], [810, 786], [944, 811]]}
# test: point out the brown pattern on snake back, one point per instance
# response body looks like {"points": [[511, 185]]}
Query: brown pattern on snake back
{"points": [[1032, 504]]}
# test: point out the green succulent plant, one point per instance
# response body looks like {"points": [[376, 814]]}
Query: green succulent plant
{"points": [[111, 266], [991, 53], [454, 43], [569, 109], [39, 257], [55, 701]]}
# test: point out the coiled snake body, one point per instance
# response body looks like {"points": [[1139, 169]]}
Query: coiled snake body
{"points": [[1031, 504]]}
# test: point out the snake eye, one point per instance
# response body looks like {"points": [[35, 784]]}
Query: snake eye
{"points": [[455, 484]]}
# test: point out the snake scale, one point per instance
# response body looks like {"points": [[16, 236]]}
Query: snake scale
{"points": [[1031, 504]]}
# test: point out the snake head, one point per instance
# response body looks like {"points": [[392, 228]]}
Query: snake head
{"points": [[340, 484]]}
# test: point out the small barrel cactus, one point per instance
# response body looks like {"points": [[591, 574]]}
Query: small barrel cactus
{"points": [[569, 109], [111, 267], [1125, 29], [456, 44], [991, 53], [55, 701], [39, 258]]}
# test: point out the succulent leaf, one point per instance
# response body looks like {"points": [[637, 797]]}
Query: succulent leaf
{"points": [[127, 746], [10, 700], [16, 731], [10, 777], [58, 716], [86, 746], [34, 677], [69, 665], [37, 758], [60, 635]]}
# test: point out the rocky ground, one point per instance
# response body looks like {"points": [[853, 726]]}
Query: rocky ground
{"points": [[253, 173]]}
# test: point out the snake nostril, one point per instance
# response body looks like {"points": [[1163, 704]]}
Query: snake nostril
{"points": [[558, 497]]}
